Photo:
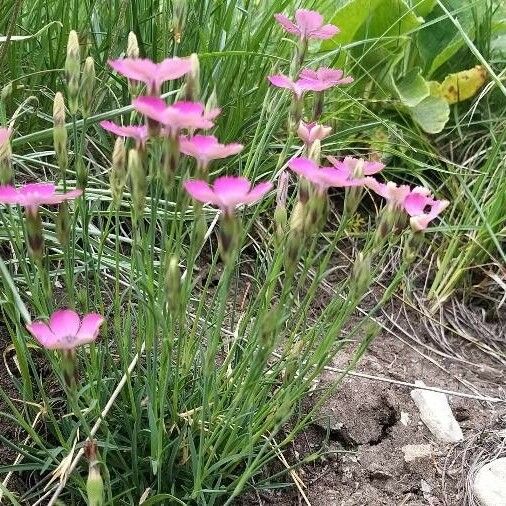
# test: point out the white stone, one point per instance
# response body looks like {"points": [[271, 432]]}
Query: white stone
{"points": [[413, 452], [436, 414], [490, 483]]}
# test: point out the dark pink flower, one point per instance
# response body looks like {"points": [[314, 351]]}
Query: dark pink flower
{"points": [[176, 117], [32, 195], [66, 330], [205, 148], [323, 177], [322, 79], [308, 25], [137, 132], [310, 132], [153, 74], [356, 167], [227, 192], [422, 208]]}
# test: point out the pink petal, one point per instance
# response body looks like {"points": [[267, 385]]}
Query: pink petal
{"points": [[138, 69], [231, 190], [5, 134], [308, 74], [172, 68], [288, 25], [306, 168], [43, 334], [258, 192], [201, 191], [334, 177], [37, 189], [90, 326], [8, 195], [189, 107], [415, 203], [373, 168], [212, 113], [281, 81], [325, 32], [138, 132], [308, 21], [64, 323], [419, 223], [152, 107]]}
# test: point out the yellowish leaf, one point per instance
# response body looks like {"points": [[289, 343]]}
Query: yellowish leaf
{"points": [[463, 85]]}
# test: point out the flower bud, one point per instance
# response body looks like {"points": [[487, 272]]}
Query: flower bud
{"points": [[118, 174], [295, 114], [6, 91], [298, 217], [5, 156], [63, 224], [212, 101], [192, 83], [360, 275], [81, 173], [34, 234], [94, 483], [138, 182], [318, 105], [173, 284], [178, 18], [170, 160], [132, 52], [293, 249], [87, 86], [73, 71], [315, 151], [60, 133]]}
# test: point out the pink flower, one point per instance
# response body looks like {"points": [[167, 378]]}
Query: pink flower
{"points": [[322, 79], [153, 74], [137, 132], [356, 167], [227, 192], [310, 132], [32, 195], [322, 177], [205, 148], [175, 117], [66, 330], [282, 81], [422, 208], [394, 194], [5, 134], [309, 25]]}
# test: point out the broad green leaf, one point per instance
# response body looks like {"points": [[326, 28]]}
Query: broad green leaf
{"points": [[412, 88], [422, 7], [431, 114]]}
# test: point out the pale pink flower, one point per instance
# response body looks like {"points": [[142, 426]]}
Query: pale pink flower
{"points": [[176, 117], [205, 148], [310, 132], [422, 208], [66, 330], [5, 134], [356, 167], [227, 192], [153, 74], [32, 195], [393, 193], [308, 25], [323, 177], [137, 132], [322, 79], [282, 81]]}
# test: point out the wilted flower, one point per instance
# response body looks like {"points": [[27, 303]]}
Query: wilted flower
{"points": [[175, 117], [150, 73], [322, 79], [308, 25], [422, 208], [66, 330], [356, 167], [137, 132], [32, 195], [310, 132], [205, 148], [323, 177], [227, 192]]}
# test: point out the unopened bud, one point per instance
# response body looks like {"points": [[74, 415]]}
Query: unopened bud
{"points": [[6, 92], [297, 218], [293, 249], [318, 105], [5, 156], [132, 46], [192, 84], [170, 160], [360, 275], [73, 71], [60, 133], [118, 174], [352, 200], [315, 151], [295, 114], [173, 284], [63, 224], [94, 483], [34, 234], [87, 86], [81, 173], [178, 18], [138, 182], [212, 101], [229, 237]]}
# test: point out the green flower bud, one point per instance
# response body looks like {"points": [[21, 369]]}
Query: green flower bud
{"points": [[318, 105], [118, 174], [34, 234], [138, 182], [6, 174], [63, 224], [192, 84], [360, 275], [73, 71], [81, 173], [94, 483], [170, 160], [60, 133], [178, 18], [229, 236], [315, 151], [87, 86], [132, 46], [6, 92], [173, 284]]}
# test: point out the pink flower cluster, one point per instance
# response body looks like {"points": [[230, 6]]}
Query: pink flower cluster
{"points": [[308, 25]]}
